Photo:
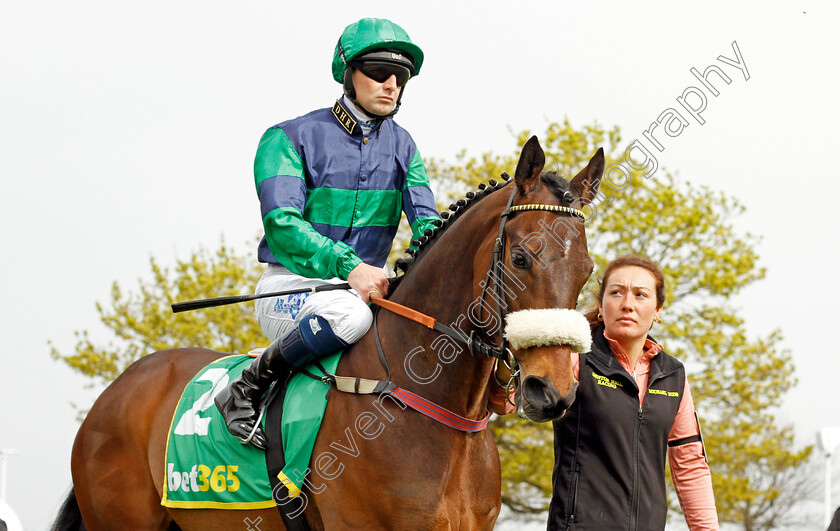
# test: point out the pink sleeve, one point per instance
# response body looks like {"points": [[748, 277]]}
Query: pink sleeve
{"points": [[690, 470], [497, 402]]}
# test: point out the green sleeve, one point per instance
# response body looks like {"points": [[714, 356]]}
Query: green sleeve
{"points": [[305, 251], [292, 240], [276, 156], [420, 225], [425, 209]]}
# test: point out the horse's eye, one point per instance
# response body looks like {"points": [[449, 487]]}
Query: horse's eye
{"points": [[520, 260]]}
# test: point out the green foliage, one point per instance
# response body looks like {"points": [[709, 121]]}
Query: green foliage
{"points": [[687, 229], [566, 149], [143, 322], [526, 450]]}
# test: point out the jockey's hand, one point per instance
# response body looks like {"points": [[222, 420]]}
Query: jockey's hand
{"points": [[367, 279]]}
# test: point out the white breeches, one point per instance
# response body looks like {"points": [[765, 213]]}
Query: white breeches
{"points": [[348, 316]]}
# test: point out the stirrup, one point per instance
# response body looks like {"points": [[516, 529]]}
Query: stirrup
{"points": [[247, 440]]}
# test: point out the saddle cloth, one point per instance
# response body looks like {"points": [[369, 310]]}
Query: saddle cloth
{"points": [[208, 468]]}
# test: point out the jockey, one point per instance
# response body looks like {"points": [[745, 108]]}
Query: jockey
{"points": [[332, 185]]}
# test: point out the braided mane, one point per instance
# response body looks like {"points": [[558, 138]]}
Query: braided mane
{"points": [[555, 182]]}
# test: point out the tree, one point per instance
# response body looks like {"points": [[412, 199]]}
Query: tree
{"points": [[737, 384], [143, 322], [689, 230]]}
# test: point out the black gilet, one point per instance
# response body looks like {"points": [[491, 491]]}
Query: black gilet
{"points": [[609, 454]]}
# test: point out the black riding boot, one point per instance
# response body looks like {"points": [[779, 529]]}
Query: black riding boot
{"points": [[240, 400]]}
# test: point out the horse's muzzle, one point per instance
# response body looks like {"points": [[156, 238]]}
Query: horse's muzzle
{"points": [[539, 401]]}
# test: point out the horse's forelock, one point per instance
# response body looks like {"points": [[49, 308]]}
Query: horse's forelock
{"points": [[557, 184]]}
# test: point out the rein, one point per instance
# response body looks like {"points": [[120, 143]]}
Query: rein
{"points": [[353, 385], [475, 346], [365, 386]]}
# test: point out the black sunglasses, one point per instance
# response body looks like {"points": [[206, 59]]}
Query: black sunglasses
{"points": [[381, 72]]}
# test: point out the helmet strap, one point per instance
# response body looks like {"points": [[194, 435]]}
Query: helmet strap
{"points": [[349, 88]]}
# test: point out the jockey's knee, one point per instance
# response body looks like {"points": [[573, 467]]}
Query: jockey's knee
{"points": [[349, 318], [318, 336]]}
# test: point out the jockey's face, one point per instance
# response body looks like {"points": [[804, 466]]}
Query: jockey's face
{"points": [[377, 97]]}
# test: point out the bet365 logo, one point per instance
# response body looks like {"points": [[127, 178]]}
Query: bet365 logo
{"points": [[201, 478]]}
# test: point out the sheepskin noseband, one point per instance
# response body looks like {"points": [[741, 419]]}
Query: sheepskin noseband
{"points": [[537, 328]]}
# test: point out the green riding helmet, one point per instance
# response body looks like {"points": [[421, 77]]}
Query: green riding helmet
{"points": [[370, 35]]}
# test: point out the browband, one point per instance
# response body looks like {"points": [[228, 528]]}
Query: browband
{"points": [[550, 208]]}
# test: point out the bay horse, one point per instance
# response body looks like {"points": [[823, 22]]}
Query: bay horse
{"points": [[509, 247]]}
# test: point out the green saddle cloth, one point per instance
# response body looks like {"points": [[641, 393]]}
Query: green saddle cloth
{"points": [[303, 411], [208, 468]]}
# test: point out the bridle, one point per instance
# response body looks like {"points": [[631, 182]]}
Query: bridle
{"points": [[495, 272], [498, 350]]}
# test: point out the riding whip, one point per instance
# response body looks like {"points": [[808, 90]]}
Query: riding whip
{"points": [[222, 301]]}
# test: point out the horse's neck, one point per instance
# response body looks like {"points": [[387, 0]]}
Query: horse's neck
{"points": [[434, 365], [441, 285]]}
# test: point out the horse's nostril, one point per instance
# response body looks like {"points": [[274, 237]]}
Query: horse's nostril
{"points": [[540, 392], [542, 401]]}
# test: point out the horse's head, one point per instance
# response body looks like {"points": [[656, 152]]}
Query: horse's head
{"points": [[529, 263], [543, 265]]}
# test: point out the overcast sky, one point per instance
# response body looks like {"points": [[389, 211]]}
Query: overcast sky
{"points": [[128, 130]]}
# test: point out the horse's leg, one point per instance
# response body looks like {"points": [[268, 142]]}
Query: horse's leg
{"points": [[472, 494], [387, 468], [118, 455], [478, 483]]}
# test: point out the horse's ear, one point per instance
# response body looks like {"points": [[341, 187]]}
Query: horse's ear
{"points": [[585, 184], [530, 166]]}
